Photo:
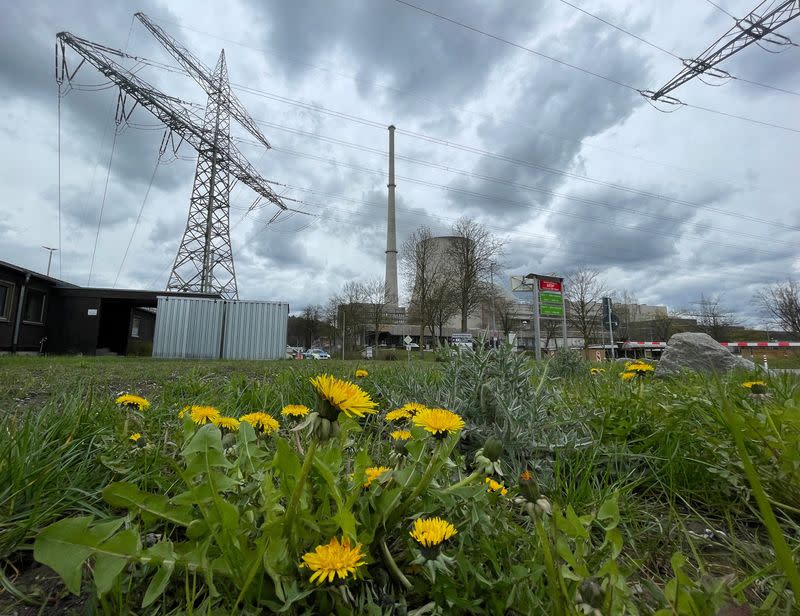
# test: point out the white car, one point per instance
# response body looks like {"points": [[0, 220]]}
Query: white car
{"points": [[316, 354]]}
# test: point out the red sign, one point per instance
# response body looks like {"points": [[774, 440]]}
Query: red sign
{"points": [[550, 285]]}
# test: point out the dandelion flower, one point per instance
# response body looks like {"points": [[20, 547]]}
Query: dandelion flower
{"points": [[413, 407], [751, 384], [227, 423], [439, 422], [131, 401], [295, 410], [639, 367], [627, 376], [398, 415], [335, 558], [432, 532], [361, 373], [200, 414], [265, 421], [596, 371], [344, 396], [373, 472], [135, 436], [401, 435], [495, 486]]}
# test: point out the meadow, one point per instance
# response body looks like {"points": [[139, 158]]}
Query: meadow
{"points": [[478, 484]]}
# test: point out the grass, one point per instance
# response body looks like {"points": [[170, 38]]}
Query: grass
{"points": [[704, 478]]}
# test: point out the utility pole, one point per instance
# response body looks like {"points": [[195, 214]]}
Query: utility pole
{"points": [[49, 257]]}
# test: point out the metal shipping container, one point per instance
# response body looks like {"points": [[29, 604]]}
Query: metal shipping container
{"points": [[216, 328]]}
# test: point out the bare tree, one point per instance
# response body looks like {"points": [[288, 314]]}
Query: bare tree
{"points": [[626, 307], [473, 254], [665, 324], [351, 312], [551, 328], [376, 306], [712, 317], [780, 302], [583, 293], [311, 317], [422, 272]]}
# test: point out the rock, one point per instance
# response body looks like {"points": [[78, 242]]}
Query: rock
{"points": [[700, 353]]}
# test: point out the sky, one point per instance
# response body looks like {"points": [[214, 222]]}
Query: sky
{"points": [[569, 169]]}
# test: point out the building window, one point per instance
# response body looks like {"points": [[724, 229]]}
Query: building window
{"points": [[34, 306], [137, 324], [6, 300]]}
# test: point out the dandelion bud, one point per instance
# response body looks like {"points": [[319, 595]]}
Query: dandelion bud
{"points": [[528, 486], [492, 448]]}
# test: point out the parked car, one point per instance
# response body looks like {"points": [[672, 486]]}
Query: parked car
{"points": [[316, 354]]}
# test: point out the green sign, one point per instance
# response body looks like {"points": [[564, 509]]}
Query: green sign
{"points": [[548, 297], [549, 310]]}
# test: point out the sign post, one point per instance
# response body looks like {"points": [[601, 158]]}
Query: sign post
{"points": [[548, 303], [408, 340]]}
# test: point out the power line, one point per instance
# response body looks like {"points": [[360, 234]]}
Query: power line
{"points": [[666, 51], [584, 70], [493, 198], [718, 7], [138, 218], [520, 162], [473, 175], [426, 99], [102, 207]]}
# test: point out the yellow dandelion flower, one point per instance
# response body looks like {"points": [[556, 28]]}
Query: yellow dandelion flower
{"points": [[226, 423], [398, 415], [373, 472], [413, 407], [265, 421], [751, 384], [135, 436], [439, 422], [201, 414], [131, 401], [361, 373], [639, 368], [295, 410], [627, 376], [431, 532], [344, 396], [595, 371], [401, 435], [335, 558], [495, 486]]}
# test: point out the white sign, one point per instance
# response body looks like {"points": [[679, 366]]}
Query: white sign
{"points": [[407, 339], [92, 312]]}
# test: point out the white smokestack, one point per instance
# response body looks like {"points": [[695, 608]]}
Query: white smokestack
{"points": [[391, 233]]}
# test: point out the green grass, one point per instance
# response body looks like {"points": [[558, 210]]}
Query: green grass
{"points": [[695, 466]]}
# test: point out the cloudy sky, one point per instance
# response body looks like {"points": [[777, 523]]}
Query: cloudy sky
{"points": [[571, 169]]}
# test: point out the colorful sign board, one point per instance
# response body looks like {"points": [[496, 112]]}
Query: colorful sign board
{"points": [[549, 297], [550, 285], [551, 310]]}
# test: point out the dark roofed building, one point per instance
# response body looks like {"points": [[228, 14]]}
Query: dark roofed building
{"points": [[43, 314]]}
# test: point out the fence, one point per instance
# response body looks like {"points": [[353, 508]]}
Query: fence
{"points": [[195, 328]]}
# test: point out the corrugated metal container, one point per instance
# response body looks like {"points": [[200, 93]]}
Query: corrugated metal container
{"points": [[255, 330], [196, 328]]}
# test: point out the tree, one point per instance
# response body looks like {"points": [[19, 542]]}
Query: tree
{"points": [[310, 324], [627, 311], [712, 317], [583, 294], [780, 303], [376, 313], [429, 277], [473, 253], [665, 325], [351, 312]]}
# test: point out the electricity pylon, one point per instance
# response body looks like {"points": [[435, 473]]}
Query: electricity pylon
{"points": [[204, 262], [750, 29]]}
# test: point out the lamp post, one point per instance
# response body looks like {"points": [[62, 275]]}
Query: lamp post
{"points": [[49, 257]]}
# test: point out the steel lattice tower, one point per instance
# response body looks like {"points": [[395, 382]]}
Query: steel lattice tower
{"points": [[204, 263]]}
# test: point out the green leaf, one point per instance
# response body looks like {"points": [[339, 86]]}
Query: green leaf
{"points": [[164, 558], [107, 567], [66, 545], [127, 496], [286, 461], [609, 511]]}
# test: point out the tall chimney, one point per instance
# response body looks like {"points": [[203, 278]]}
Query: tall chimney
{"points": [[391, 233]]}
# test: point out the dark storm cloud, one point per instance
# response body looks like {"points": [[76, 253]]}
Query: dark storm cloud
{"points": [[395, 45], [551, 100]]}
